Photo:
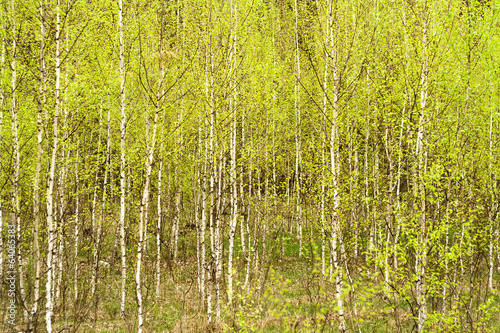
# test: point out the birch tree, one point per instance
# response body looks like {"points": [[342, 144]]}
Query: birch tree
{"points": [[51, 180], [123, 123]]}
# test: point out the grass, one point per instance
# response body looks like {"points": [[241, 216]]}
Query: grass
{"points": [[284, 295]]}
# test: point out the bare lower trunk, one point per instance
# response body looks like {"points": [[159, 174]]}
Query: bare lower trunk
{"points": [[247, 220], [203, 223], [143, 220], [369, 245], [218, 237], [491, 215], [77, 218], [158, 231]]}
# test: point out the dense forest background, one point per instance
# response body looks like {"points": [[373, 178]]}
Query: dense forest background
{"points": [[265, 165]]}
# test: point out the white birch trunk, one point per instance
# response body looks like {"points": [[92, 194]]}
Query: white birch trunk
{"points": [[50, 186], [199, 210], [213, 170], [218, 236], [123, 123], [158, 230], [421, 152], [36, 186], [77, 216], [491, 217], [398, 189], [369, 245], [249, 210], [203, 225], [16, 200], [323, 147], [143, 220], [233, 175], [242, 192], [335, 168]]}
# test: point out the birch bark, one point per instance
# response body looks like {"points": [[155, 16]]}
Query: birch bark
{"points": [[16, 199], [36, 186], [421, 152], [123, 123], [50, 186], [233, 175], [143, 219], [336, 233], [298, 139]]}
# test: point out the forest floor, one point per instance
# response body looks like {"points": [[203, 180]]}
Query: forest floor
{"points": [[283, 295]]}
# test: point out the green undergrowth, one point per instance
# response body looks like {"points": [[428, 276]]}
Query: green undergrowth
{"points": [[283, 294]]}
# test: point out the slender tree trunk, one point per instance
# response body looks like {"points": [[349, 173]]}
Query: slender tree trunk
{"points": [[336, 236], [389, 218], [123, 124], [50, 186], [374, 231], [203, 225], [249, 211], [159, 103], [218, 234], [213, 171], [61, 186], [201, 222], [323, 145], [36, 186], [16, 199], [77, 215], [421, 152], [143, 219], [158, 231], [369, 242], [353, 170], [208, 168], [398, 188], [95, 225], [491, 215], [242, 191], [233, 175], [298, 138], [446, 245]]}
